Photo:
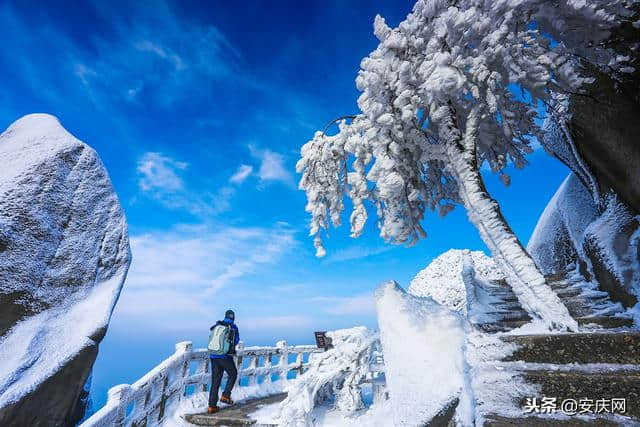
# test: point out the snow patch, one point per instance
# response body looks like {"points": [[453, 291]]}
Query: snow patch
{"points": [[198, 402]]}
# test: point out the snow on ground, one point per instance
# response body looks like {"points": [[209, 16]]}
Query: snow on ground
{"points": [[423, 344], [442, 279], [377, 415], [198, 402]]}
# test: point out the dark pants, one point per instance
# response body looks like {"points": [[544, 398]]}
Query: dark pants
{"points": [[218, 367]]}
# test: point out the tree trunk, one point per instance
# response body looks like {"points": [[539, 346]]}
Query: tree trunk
{"points": [[529, 285]]}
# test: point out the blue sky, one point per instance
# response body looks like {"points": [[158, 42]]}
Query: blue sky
{"points": [[198, 110]]}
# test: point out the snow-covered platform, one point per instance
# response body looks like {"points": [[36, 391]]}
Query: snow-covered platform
{"points": [[236, 415]]}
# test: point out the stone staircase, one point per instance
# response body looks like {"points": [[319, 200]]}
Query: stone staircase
{"points": [[591, 368], [589, 306]]}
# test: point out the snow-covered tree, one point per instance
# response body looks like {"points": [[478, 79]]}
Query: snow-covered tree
{"points": [[438, 101]]}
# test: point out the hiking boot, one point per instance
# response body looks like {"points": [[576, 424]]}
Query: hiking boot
{"points": [[212, 410], [226, 399]]}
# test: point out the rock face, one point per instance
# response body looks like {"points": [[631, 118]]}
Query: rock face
{"points": [[64, 256], [605, 124], [558, 236], [573, 233]]}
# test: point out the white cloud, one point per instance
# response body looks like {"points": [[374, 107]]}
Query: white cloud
{"points": [[176, 275], [203, 257], [159, 172], [271, 166], [181, 61], [357, 252], [353, 305], [297, 287], [163, 53], [159, 177], [241, 174]]}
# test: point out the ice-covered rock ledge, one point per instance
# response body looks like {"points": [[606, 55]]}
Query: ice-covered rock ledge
{"points": [[64, 255]]}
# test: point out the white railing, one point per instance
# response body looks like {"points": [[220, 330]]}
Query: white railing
{"points": [[144, 402], [376, 376]]}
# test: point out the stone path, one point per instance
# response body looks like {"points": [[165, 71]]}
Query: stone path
{"points": [[236, 415], [602, 363]]}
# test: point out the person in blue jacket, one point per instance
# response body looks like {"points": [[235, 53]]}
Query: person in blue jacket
{"points": [[224, 363]]}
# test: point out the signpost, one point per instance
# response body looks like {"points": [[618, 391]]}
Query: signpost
{"points": [[323, 341]]}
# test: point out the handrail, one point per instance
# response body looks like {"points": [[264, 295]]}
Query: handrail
{"points": [[145, 401]]}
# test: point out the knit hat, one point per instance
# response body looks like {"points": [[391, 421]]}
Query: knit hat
{"points": [[229, 314]]}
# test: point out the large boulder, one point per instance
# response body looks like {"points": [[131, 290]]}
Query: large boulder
{"points": [[64, 256]]}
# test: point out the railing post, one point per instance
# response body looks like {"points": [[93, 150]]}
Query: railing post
{"points": [[253, 364], [268, 365], [239, 360], [117, 396], [379, 390], [204, 369], [299, 359], [185, 348], [283, 349]]}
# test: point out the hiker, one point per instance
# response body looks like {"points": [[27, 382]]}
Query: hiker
{"points": [[222, 343]]}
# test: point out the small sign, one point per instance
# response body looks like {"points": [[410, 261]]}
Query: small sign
{"points": [[322, 340]]}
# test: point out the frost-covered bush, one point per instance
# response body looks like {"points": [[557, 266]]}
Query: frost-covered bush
{"points": [[337, 372]]}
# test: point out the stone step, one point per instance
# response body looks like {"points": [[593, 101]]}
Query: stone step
{"points": [[519, 315], [493, 420], [615, 347], [580, 385], [601, 322], [497, 291], [236, 415], [555, 277], [578, 307], [511, 305], [511, 298], [558, 286], [568, 292]]}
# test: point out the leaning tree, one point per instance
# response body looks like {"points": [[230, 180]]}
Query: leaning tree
{"points": [[457, 85]]}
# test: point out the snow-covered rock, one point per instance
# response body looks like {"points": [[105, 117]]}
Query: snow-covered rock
{"points": [[557, 239], [423, 344], [442, 279], [611, 245], [571, 233], [64, 255]]}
